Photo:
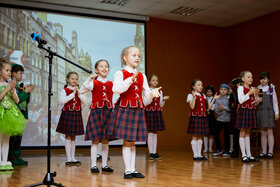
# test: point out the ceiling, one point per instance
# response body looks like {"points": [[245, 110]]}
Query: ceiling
{"points": [[221, 13]]}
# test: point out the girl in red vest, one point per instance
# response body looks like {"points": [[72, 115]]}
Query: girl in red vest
{"points": [[154, 119], [101, 113], [246, 114], [128, 122], [198, 123], [71, 121]]}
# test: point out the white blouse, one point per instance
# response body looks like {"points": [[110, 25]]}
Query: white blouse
{"points": [[88, 84], [162, 102], [66, 98]]}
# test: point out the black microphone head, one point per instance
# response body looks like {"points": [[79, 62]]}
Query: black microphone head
{"points": [[32, 35], [21, 85]]}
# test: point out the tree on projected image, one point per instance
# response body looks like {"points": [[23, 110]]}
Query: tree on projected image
{"points": [[82, 40]]}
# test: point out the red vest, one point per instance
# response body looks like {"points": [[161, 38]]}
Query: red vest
{"points": [[155, 105], [74, 104], [133, 96], [102, 93], [199, 109], [250, 103]]}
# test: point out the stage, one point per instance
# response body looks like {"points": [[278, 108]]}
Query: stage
{"points": [[175, 169]]}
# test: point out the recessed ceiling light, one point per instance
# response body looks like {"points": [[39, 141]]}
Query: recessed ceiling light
{"points": [[115, 2], [186, 11]]}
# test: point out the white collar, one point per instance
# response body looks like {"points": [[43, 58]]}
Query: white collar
{"points": [[197, 93], [130, 70], [70, 87], [102, 80]]}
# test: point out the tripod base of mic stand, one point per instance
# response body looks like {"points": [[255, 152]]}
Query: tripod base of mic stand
{"points": [[48, 180]]}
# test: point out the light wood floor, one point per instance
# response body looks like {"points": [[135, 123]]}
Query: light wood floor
{"points": [[175, 169]]}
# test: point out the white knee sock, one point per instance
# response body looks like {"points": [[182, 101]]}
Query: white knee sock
{"points": [[199, 147], [68, 150], [133, 158], [242, 146], [154, 143], [248, 147], [99, 149], [150, 142], [211, 140], [194, 148], [93, 154], [231, 142], [5, 148], [127, 158], [73, 151], [264, 141], [205, 139], [105, 151], [270, 140]]}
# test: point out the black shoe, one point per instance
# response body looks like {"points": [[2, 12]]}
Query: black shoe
{"points": [[245, 159], [107, 169], [137, 175], [94, 170], [234, 154], [202, 158], [157, 156], [269, 156], [76, 162], [99, 157], [127, 175], [68, 163], [252, 159], [151, 156], [262, 155], [196, 158]]}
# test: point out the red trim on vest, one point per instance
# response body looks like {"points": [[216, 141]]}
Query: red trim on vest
{"points": [[102, 93], [155, 105], [250, 103], [199, 109], [133, 96], [74, 104]]}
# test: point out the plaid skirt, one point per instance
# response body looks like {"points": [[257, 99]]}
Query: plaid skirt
{"points": [[128, 124], [246, 118], [98, 123], [71, 122], [198, 125], [154, 121]]}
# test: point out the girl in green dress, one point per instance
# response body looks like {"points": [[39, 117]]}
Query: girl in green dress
{"points": [[12, 122]]}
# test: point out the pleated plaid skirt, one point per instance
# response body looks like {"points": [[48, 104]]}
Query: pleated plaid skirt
{"points": [[198, 125], [98, 123], [70, 123], [246, 118], [154, 121], [128, 124]]}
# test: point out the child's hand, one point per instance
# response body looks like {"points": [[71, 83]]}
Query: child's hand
{"points": [[76, 89], [29, 88], [92, 77], [276, 117], [155, 92], [166, 98], [135, 75], [216, 96], [221, 108], [193, 94], [253, 91], [11, 86]]}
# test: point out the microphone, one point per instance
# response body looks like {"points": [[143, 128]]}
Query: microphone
{"points": [[38, 38], [260, 93], [21, 87]]}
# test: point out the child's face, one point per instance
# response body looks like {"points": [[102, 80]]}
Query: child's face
{"points": [[73, 80], [223, 91], [154, 81], [209, 93], [102, 69], [6, 71], [248, 78], [264, 81], [18, 75], [198, 86], [132, 59]]}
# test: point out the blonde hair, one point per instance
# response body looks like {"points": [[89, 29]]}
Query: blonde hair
{"points": [[125, 52], [3, 62]]}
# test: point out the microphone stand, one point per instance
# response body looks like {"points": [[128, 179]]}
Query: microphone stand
{"points": [[48, 180]]}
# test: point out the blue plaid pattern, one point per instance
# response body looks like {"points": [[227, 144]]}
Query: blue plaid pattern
{"points": [[154, 121], [71, 122], [198, 125], [246, 118], [128, 124], [98, 123]]}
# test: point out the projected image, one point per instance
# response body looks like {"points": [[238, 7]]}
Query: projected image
{"points": [[82, 40]]}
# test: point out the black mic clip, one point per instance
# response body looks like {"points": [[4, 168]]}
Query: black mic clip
{"points": [[38, 38]]}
